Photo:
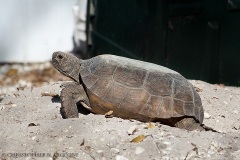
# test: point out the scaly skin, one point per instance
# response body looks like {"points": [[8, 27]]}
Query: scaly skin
{"points": [[67, 64], [72, 92], [189, 124]]}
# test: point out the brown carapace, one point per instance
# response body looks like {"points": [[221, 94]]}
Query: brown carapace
{"points": [[130, 88]]}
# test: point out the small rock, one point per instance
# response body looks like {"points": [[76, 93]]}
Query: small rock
{"points": [[166, 142], [121, 157], [33, 124], [207, 115], [139, 150], [114, 150], [2, 107], [34, 137], [215, 97], [236, 126], [161, 146], [99, 151], [131, 130], [14, 105], [198, 89], [225, 102], [235, 111]]}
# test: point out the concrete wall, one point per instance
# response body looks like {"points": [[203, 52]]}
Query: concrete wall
{"points": [[30, 30]]}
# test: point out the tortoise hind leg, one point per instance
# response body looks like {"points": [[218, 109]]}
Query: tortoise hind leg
{"points": [[72, 93], [189, 124]]}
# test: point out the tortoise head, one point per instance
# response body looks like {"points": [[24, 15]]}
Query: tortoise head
{"points": [[67, 64]]}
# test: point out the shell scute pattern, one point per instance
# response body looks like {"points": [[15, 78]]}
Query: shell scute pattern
{"points": [[116, 94], [138, 92], [158, 84], [182, 91], [129, 76]]}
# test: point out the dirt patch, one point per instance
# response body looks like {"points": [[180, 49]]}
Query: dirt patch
{"points": [[32, 126]]}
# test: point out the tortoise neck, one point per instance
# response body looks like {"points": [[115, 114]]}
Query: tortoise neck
{"points": [[75, 72]]}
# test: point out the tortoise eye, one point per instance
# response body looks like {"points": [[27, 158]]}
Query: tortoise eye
{"points": [[60, 56]]}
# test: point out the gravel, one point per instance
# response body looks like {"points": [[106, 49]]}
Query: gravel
{"points": [[32, 126]]}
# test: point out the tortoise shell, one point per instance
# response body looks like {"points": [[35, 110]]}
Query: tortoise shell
{"points": [[138, 90]]}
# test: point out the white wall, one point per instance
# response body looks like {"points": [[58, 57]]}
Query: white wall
{"points": [[31, 30]]}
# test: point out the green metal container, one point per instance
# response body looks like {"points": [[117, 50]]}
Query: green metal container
{"points": [[198, 38]]}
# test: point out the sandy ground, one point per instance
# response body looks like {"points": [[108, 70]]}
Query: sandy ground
{"points": [[32, 128]]}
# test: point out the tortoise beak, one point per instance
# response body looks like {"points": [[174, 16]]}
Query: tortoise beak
{"points": [[54, 59]]}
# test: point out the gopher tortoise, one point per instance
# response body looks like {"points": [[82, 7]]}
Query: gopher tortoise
{"points": [[130, 89]]}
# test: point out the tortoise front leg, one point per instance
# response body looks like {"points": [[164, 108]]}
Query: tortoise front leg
{"points": [[71, 94]]}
